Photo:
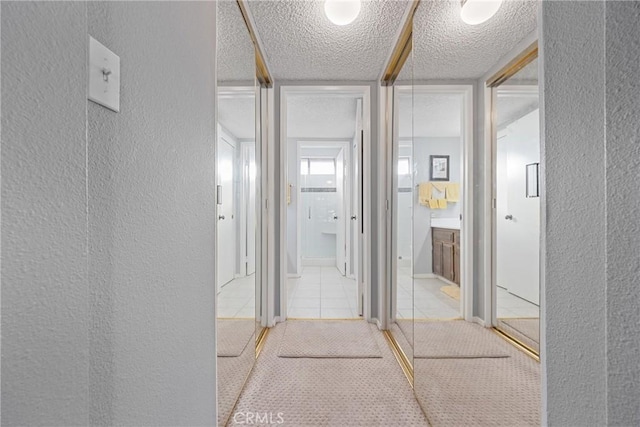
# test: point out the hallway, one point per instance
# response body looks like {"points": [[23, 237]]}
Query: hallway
{"points": [[344, 373], [322, 293], [316, 391], [149, 187]]}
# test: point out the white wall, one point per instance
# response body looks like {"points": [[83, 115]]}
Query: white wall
{"points": [[574, 340], [107, 233], [152, 217], [45, 304], [623, 211]]}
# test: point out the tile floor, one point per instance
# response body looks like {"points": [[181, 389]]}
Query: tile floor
{"points": [[429, 302], [510, 306], [322, 293], [236, 299]]}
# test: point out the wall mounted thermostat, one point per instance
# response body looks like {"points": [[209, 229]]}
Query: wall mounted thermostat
{"points": [[104, 76]]}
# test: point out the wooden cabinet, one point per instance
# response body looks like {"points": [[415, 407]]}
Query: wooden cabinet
{"points": [[446, 253]]}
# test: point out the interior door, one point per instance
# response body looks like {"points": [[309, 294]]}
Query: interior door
{"points": [[341, 255], [226, 229], [518, 216]]}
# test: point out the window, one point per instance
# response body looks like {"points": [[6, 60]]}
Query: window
{"points": [[404, 166], [317, 167]]}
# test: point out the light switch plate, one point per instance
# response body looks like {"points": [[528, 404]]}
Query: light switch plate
{"points": [[104, 76]]}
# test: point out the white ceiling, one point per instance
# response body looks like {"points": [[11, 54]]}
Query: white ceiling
{"points": [[236, 56], [237, 114], [435, 115], [321, 116], [300, 42], [447, 48]]}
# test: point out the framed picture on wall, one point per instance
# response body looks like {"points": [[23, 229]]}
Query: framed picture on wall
{"points": [[439, 168]]}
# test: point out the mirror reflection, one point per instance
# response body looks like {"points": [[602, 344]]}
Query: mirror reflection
{"points": [[517, 244], [402, 295], [465, 372], [237, 217]]}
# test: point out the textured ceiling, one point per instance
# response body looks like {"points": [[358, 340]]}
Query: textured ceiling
{"points": [[236, 56], [320, 116], [444, 47], [300, 42], [237, 114], [435, 115]]}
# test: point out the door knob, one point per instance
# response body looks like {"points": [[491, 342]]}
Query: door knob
{"points": [[220, 216], [353, 218], [509, 217], [335, 217]]}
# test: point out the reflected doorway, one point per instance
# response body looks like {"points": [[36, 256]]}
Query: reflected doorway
{"points": [[516, 247]]}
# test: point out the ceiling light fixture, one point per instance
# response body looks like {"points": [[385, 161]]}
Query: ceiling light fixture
{"points": [[342, 12], [475, 12]]}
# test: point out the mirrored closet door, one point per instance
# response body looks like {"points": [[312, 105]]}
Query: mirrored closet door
{"points": [[238, 190], [403, 192]]}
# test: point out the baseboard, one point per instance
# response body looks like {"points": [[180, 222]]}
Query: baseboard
{"points": [[479, 321], [445, 281], [425, 276], [319, 262], [378, 324]]}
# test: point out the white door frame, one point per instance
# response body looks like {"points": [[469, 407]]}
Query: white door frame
{"points": [[466, 226], [364, 221]]}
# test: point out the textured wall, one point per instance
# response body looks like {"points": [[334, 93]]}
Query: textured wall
{"points": [[574, 270], [623, 211], [151, 215], [44, 239]]}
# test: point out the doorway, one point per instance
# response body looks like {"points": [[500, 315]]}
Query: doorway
{"points": [[323, 132]]}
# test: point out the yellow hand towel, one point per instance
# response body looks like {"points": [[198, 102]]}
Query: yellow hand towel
{"points": [[453, 192], [424, 193], [433, 204], [442, 204], [440, 186]]}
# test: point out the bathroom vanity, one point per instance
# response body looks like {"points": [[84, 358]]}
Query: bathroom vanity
{"points": [[446, 252]]}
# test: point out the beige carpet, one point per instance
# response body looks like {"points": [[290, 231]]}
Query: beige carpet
{"points": [[234, 335], [328, 339], [455, 339], [330, 392], [480, 392], [452, 291], [525, 330], [399, 332], [232, 373]]}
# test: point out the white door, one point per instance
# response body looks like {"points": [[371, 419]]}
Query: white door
{"points": [[226, 228], [341, 256], [250, 200], [518, 217]]}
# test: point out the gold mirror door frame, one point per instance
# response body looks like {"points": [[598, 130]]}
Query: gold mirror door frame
{"points": [[397, 77], [515, 142], [241, 127]]}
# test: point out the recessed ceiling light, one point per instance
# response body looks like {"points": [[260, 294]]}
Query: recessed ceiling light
{"points": [[475, 12], [342, 12]]}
